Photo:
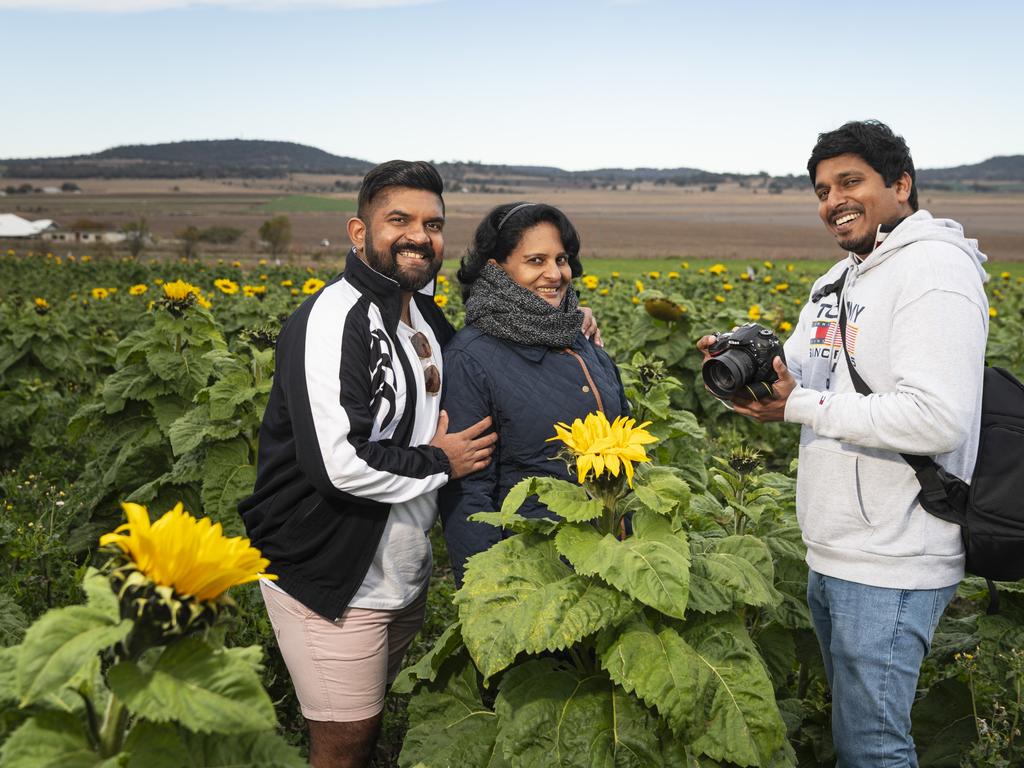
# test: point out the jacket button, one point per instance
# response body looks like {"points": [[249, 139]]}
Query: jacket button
{"points": [[586, 388]]}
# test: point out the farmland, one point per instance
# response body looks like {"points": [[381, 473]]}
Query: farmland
{"points": [[645, 221]]}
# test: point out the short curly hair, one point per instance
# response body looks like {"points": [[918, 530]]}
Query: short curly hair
{"points": [[875, 143]]}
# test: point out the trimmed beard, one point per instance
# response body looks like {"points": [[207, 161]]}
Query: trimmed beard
{"points": [[387, 264]]}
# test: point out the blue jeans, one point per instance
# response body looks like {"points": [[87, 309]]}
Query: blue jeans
{"points": [[873, 641]]}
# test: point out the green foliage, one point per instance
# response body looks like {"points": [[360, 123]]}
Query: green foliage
{"points": [[97, 690], [607, 649]]}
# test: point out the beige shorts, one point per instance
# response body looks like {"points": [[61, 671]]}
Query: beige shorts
{"points": [[342, 669]]}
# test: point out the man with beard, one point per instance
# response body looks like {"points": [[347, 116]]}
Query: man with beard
{"points": [[352, 451], [881, 569]]}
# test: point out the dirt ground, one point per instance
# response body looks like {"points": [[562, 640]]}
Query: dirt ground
{"points": [[645, 221]]}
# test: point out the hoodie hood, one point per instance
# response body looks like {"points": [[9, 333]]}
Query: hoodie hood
{"points": [[923, 226]]}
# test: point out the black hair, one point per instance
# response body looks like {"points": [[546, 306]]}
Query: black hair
{"points": [[412, 174], [492, 242], [875, 143]]}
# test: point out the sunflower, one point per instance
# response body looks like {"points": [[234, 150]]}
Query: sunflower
{"points": [[605, 448], [717, 269], [754, 313], [42, 305], [179, 290], [192, 557], [254, 290], [100, 293], [138, 290], [312, 285], [590, 281], [226, 286], [441, 300]]}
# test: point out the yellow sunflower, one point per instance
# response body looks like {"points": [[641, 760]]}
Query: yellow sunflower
{"points": [[590, 281], [100, 293], [605, 448], [717, 269], [226, 286], [441, 300], [180, 290], [193, 557], [138, 290], [312, 285]]}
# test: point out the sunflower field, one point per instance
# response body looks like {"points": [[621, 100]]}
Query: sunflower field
{"points": [[131, 632]]}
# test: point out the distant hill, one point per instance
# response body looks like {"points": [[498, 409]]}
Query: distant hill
{"points": [[249, 158], [244, 158], [1002, 168]]}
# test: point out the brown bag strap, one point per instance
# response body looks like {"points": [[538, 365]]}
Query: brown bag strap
{"points": [[590, 380]]}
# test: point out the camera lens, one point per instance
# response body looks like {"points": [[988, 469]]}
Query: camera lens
{"points": [[726, 374]]}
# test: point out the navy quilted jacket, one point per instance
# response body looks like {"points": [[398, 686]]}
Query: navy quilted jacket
{"points": [[525, 389]]}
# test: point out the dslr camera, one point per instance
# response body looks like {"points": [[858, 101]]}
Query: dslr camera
{"points": [[741, 363]]}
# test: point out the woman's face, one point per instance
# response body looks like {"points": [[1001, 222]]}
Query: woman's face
{"points": [[540, 264]]}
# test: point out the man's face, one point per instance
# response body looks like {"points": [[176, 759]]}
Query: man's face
{"points": [[853, 201], [404, 237]]}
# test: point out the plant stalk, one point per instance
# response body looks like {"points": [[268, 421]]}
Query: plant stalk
{"points": [[112, 731]]}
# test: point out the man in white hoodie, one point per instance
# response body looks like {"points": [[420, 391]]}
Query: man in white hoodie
{"points": [[882, 569]]}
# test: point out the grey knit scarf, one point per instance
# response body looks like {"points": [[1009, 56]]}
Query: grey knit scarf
{"points": [[500, 307]]}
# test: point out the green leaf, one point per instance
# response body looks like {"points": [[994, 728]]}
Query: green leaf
{"points": [[167, 409], [100, 595], [164, 745], [51, 740], [943, 724], [725, 576], [652, 566], [228, 477], [450, 727], [553, 715], [707, 681], [519, 596], [791, 583], [13, 621], [448, 644], [661, 489], [229, 392], [9, 675], [568, 500], [194, 427], [778, 650], [59, 644], [516, 523], [205, 690], [133, 382]]}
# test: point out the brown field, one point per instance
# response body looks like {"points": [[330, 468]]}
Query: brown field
{"points": [[646, 221]]}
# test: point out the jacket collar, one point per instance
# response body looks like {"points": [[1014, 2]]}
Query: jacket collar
{"points": [[381, 290]]}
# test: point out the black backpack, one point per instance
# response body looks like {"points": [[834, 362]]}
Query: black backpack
{"points": [[989, 510]]}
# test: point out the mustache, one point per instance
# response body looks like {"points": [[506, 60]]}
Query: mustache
{"points": [[426, 249]]}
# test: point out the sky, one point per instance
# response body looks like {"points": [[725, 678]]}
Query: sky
{"points": [[721, 86]]}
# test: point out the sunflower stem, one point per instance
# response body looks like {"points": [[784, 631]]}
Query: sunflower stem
{"points": [[112, 731]]}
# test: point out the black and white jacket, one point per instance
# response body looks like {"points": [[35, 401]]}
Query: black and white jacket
{"points": [[334, 449]]}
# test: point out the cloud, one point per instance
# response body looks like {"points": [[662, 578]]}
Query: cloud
{"points": [[141, 6]]}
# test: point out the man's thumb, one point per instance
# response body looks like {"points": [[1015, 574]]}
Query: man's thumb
{"points": [[780, 367], [442, 423]]}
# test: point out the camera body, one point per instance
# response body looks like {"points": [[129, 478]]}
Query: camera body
{"points": [[741, 363]]}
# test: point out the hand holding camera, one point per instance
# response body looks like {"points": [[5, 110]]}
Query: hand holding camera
{"points": [[747, 367]]}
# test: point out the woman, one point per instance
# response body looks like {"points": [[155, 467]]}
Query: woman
{"points": [[522, 360]]}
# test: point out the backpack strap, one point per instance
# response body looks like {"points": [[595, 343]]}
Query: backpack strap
{"points": [[934, 496]]}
